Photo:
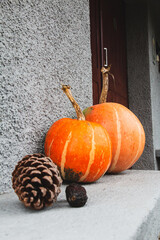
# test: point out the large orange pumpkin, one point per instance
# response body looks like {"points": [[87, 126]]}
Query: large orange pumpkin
{"points": [[125, 130], [81, 149]]}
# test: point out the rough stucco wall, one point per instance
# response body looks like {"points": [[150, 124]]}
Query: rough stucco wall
{"points": [[43, 43], [154, 32], [138, 75]]}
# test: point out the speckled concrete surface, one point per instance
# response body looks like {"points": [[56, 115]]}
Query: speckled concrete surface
{"points": [[43, 44], [143, 76], [119, 207], [154, 32], [138, 76]]}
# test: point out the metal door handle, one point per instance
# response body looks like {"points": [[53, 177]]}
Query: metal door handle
{"points": [[106, 58]]}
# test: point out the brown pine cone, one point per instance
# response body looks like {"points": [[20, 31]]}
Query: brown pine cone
{"points": [[36, 180]]}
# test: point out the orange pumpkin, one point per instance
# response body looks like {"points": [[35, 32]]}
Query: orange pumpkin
{"points": [[81, 149], [125, 130]]}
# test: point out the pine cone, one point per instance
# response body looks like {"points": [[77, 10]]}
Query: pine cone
{"points": [[36, 180]]}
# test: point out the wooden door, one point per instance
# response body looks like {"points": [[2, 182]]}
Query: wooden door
{"points": [[108, 31]]}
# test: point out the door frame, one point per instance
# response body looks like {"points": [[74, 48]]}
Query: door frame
{"points": [[95, 47]]}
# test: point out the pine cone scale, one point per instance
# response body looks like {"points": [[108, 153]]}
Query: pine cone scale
{"points": [[47, 181], [41, 167], [36, 180], [29, 186], [29, 170], [35, 173], [34, 193], [24, 180], [43, 191], [47, 172]]}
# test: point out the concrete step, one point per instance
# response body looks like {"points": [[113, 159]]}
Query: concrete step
{"points": [[125, 206]]}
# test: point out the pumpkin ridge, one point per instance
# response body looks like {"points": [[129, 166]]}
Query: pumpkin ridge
{"points": [[96, 173], [110, 149], [117, 152], [49, 150], [91, 155], [64, 152], [139, 145], [50, 146]]}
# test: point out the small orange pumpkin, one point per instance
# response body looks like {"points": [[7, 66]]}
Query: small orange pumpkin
{"points": [[81, 149], [125, 130]]}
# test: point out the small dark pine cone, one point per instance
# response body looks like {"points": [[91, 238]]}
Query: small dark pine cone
{"points": [[76, 195], [36, 180]]}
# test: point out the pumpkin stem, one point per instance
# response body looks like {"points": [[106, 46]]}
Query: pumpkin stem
{"points": [[67, 90], [105, 76]]}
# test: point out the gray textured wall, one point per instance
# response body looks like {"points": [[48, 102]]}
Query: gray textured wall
{"points": [[43, 42], [139, 86], [154, 33]]}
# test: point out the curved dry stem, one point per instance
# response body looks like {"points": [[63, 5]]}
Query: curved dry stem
{"points": [[67, 90], [105, 87]]}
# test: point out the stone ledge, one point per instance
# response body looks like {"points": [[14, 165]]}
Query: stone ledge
{"points": [[120, 207]]}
